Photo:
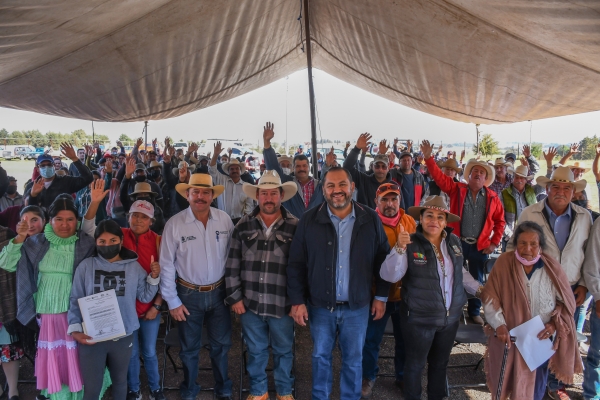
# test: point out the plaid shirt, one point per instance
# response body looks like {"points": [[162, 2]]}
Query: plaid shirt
{"points": [[307, 191], [499, 187], [255, 271]]}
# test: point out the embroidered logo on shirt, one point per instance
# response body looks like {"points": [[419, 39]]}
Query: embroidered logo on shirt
{"points": [[419, 258], [187, 238], [105, 280], [457, 250]]}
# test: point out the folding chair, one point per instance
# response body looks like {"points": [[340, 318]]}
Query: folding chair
{"points": [[469, 334], [170, 340], [244, 372]]}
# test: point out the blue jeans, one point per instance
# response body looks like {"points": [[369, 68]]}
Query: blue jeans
{"points": [[591, 375], [146, 335], [203, 307], [476, 261], [257, 332], [350, 327], [375, 331], [541, 378]]}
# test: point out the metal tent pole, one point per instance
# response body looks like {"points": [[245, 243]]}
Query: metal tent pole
{"points": [[311, 92]]}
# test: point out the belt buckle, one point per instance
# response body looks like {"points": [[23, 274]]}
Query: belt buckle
{"points": [[207, 288]]}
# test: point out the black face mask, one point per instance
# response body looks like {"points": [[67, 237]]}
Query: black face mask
{"points": [[154, 174], [109, 252], [11, 190], [581, 203], [140, 178]]}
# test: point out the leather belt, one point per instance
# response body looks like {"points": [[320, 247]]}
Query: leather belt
{"points": [[341, 303], [200, 288], [469, 240]]}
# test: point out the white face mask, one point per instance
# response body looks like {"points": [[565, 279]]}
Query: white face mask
{"points": [[286, 171]]}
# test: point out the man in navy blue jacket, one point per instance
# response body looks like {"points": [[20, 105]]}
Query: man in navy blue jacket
{"points": [[310, 191], [338, 249]]}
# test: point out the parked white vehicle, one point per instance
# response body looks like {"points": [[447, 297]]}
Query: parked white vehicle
{"points": [[17, 151]]}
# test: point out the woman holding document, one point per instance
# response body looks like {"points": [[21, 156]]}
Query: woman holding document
{"points": [[115, 268], [524, 284]]}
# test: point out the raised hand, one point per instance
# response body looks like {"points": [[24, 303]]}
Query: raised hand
{"points": [[598, 149], [462, 155], [166, 158], [218, 148], [330, 158], [524, 161], [37, 187], [97, 144], [383, 147], [119, 144], [403, 238], [426, 149], [440, 148], [154, 268], [193, 147], [363, 141], [183, 173], [268, 132], [139, 142], [347, 144], [526, 151], [167, 141], [154, 142], [409, 144], [22, 229], [574, 148], [97, 192], [395, 141], [129, 166], [68, 151], [550, 154]]}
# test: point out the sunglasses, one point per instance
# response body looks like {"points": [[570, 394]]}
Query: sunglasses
{"points": [[380, 166]]}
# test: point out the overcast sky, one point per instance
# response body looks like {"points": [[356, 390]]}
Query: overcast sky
{"points": [[344, 112]]}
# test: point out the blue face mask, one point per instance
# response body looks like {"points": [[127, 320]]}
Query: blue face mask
{"points": [[47, 172]]}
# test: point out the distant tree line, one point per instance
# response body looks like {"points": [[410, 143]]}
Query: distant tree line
{"points": [[51, 139]]}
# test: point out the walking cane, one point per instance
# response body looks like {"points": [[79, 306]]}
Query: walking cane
{"points": [[501, 380]]}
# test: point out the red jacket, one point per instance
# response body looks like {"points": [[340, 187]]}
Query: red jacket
{"points": [[493, 227], [145, 246]]}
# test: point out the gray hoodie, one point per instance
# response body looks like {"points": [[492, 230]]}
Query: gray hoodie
{"points": [[127, 277]]}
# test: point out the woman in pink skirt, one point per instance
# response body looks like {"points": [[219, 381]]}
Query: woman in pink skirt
{"points": [[45, 264]]}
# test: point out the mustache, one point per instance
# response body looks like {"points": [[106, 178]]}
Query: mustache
{"points": [[200, 202]]}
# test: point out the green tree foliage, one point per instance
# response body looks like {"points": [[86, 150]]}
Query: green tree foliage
{"points": [[487, 145], [35, 138], [536, 150], [587, 148], [126, 140]]}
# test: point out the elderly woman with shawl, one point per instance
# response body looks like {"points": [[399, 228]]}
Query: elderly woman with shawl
{"points": [[523, 284]]}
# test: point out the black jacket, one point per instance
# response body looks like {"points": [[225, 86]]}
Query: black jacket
{"points": [[422, 299], [61, 184], [311, 266]]}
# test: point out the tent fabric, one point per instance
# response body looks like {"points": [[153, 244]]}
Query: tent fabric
{"points": [[492, 61]]}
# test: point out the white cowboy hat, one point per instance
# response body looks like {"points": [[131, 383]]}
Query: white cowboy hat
{"points": [[433, 203], [285, 158], [578, 165], [271, 180], [563, 175], [522, 171], [234, 161], [491, 173], [501, 161], [199, 181]]}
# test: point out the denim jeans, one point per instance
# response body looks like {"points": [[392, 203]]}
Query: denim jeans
{"points": [[257, 331], [426, 345], [541, 378], [350, 327], [144, 339], [476, 261], [591, 375], [375, 331], [203, 307], [579, 316]]}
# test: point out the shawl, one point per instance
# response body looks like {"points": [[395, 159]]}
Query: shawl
{"points": [[8, 288], [506, 290]]}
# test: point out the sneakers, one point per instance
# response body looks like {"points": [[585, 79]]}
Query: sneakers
{"points": [[367, 389], [285, 397], [560, 394], [157, 395], [131, 395], [261, 397]]}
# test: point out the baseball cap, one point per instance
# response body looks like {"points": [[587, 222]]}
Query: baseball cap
{"points": [[12, 178], [142, 206], [44, 157], [108, 155], [139, 166], [404, 154], [510, 155], [381, 158], [151, 152], [388, 187]]}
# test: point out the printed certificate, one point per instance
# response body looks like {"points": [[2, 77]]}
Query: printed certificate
{"points": [[101, 316]]}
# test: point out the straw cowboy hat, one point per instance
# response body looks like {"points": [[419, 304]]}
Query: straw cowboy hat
{"points": [[578, 165], [450, 163], [271, 180], [433, 203], [491, 173], [190, 167], [142, 187], [203, 181], [522, 171], [285, 158], [501, 161], [234, 161], [562, 175]]}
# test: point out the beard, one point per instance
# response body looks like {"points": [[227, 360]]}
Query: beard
{"points": [[390, 212], [339, 204], [270, 208]]}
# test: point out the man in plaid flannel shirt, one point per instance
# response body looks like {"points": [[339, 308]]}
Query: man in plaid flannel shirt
{"points": [[256, 284]]}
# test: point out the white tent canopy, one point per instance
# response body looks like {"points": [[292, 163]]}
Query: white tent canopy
{"points": [[490, 61]]}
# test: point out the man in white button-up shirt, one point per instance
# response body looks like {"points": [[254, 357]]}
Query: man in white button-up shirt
{"points": [[193, 255], [234, 201]]}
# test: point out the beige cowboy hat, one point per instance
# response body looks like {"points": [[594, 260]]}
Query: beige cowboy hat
{"points": [[578, 165], [500, 161], [433, 203], [491, 173], [450, 163], [270, 180], [190, 167], [142, 187], [522, 171], [285, 158], [154, 164], [563, 175], [234, 161], [199, 181]]}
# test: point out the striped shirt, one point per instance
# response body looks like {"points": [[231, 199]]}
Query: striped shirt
{"points": [[256, 267]]}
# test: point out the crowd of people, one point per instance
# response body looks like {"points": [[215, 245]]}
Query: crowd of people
{"points": [[405, 238]]}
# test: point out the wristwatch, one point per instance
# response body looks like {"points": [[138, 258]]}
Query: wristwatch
{"points": [[157, 306]]}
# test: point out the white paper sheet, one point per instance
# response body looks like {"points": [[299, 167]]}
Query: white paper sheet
{"points": [[535, 352], [102, 316]]}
